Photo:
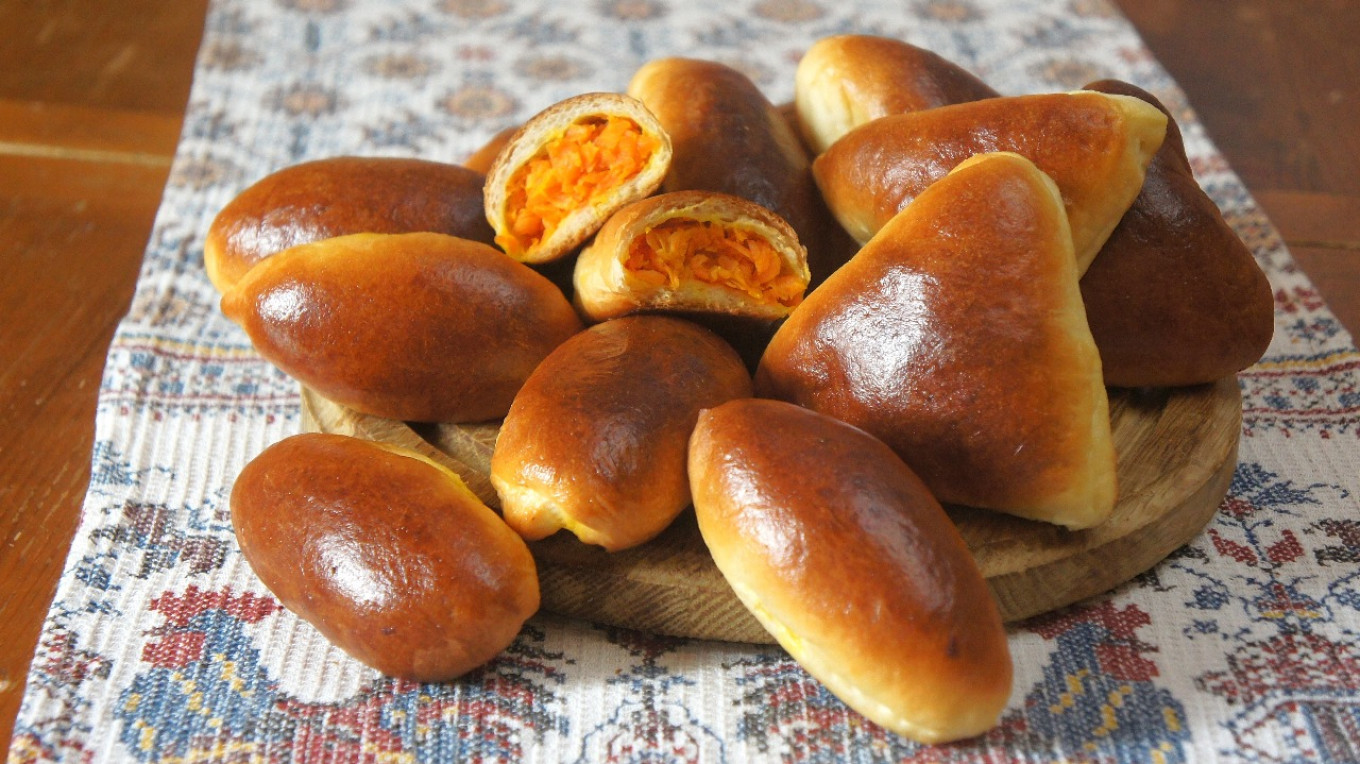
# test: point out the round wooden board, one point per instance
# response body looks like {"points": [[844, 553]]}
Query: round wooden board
{"points": [[1177, 450]]}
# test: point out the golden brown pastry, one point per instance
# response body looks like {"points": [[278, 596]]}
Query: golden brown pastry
{"points": [[1174, 297], [595, 442], [846, 80], [692, 251], [843, 555], [387, 553], [338, 196], [485, 156], [958, 337], [419, 327], [729, 138], [1095, 146], [568, 168]]}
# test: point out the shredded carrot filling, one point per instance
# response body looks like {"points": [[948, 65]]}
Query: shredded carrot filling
{"points": [[591, 158], [680, 249]]}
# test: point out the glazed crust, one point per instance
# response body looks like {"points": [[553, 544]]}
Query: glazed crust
{"points": [[527, 142], [844, 81], [595, 442], [605, 288], [485, 156], [417, 327], [1095, 146], [343, 195], [840, 551], [729, 138], [1175, 297], [957, 335], [387, 554]]}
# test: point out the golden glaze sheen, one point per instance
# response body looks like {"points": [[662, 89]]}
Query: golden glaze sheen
{"points": [[386, 553], [844, 81], [606, 287], [1095, 147], [482, 159], [1174, 297], [727, 137], [957, 335], [338, 196], [844, 556], [596, 441], [418, 327]]}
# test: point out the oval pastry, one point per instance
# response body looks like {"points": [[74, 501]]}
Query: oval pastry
{"points": [[419, 327], [595, 442], [692, 251], [343, 195], [385, 552], [844, 81], [568, 168], [844, 556]]}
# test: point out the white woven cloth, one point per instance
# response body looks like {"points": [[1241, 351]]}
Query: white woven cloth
{"points": [[161, 645]]}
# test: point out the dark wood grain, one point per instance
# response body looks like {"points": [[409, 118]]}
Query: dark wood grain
{"points": [[92, 95]]}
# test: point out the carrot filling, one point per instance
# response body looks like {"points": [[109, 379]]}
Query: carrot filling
{"points": [[678, 250], [590, 159]]}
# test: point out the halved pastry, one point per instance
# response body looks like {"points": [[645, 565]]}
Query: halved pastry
{"points": [[561, 175], [596, 441], [692, 251], [957, 335], [843, 555], [729, 138], [339, 196], [846, 80], [1096, 147], [1175, 297]]}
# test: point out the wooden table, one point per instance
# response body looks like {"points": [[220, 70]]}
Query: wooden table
{"points": [[92, 95]]}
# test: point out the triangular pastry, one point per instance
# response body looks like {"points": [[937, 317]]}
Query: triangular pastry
{"points": [[957, 335], [1175, 297], [1094, 146]]}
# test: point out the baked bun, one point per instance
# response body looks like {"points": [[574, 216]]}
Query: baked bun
{"points": [[334, 197], [1174, 297], [844, 81], [484, 157], [729, 138], [1095, 146], [692, 251], [385, 552], [419, 326], [568, 168], [595, 442], [842, 554], [957, 335]]}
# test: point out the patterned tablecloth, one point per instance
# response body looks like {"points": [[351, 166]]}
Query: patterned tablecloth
{"points": [[162, 645]]}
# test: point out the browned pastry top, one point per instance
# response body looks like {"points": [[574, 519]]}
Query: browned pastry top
{"points": [[843, 554], [387, 554], [342, 195], [1175, 297], [420, 326], [957, 336]]}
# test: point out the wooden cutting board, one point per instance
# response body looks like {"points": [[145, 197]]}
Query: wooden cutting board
{"points": [[1177, 450]]}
